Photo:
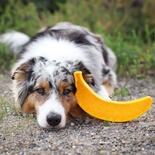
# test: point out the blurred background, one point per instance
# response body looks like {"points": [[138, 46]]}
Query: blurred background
{"points": [[128, 27]]}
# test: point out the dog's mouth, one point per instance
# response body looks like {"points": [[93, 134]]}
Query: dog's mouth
{"points": [[51, 120], [48, 126], [53, 128]]}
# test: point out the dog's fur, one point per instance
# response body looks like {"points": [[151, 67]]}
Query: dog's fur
{"points": [[43, 81]]}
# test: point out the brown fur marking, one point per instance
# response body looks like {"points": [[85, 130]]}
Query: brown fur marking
{"points": [[108, 87], [34, 100], [69, 102]]}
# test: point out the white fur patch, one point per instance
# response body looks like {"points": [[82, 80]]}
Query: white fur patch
{"points": [[64, 50], [15, 39], [53, 49], [51, 105], [103, 93]]}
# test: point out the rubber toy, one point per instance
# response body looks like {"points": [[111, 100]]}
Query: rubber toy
{"points": [[115, 111]]}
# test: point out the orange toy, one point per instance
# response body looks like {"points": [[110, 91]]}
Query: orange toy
{"points": [[103, 109]]}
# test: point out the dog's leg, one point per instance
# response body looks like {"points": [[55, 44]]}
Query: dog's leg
{"points": [[103, 93], [109, 88], [110, 82]]}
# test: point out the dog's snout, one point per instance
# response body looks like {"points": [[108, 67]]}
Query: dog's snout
{"points": [[53, 119]]}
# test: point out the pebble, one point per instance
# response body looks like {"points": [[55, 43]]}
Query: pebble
{"points": [[72, 124]]}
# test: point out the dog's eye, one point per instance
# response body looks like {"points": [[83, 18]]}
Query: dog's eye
{"points": [[41, 91], [66, 92]]}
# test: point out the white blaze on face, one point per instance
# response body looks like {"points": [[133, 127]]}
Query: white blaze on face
{"points": [[51, 105]]}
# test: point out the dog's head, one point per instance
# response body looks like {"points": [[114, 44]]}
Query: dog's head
{"points": [[47, 88]]}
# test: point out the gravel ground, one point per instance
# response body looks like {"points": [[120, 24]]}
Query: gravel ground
{"points": [[21, 135]]}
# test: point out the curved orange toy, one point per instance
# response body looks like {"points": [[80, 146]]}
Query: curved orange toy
{"points": [[114, 111]]}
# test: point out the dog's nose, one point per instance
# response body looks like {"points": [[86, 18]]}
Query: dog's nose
{"points": [[53, 119]]}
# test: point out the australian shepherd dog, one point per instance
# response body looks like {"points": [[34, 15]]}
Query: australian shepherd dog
{"points": [[43, 80]]}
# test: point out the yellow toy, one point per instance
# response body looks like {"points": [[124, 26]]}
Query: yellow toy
{"points": [[103, 109]]}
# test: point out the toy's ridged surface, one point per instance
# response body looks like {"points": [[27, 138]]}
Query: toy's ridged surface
{"points": [[113, 111]]}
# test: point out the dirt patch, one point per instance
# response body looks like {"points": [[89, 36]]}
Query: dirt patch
{"points": [[21, 135]]}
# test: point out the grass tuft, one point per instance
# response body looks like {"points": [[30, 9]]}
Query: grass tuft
{"points": [[105, 123], [122, 92], [6, 58], [5, 108]]}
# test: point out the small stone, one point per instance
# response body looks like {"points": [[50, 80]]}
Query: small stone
{"points": [[32, 145], [72, 124], [73, 146]]}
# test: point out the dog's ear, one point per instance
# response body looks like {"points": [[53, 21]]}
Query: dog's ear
{"points": [[85, 73], [22, 76], [28, 106], [23, 71]]}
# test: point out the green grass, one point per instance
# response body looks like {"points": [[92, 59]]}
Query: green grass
{"points": [[5, 108], [124, 91], [6, 58], [131, 41], [105, 123]]}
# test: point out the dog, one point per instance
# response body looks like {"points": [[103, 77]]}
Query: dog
{"points": [[43, 81]]}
